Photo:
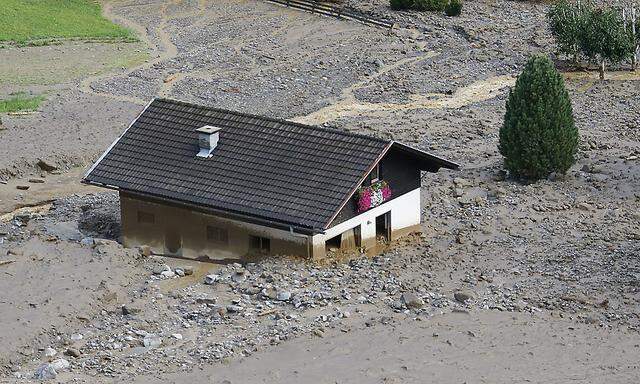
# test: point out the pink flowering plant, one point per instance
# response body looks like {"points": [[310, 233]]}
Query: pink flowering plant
{"points": [[373, 195]]}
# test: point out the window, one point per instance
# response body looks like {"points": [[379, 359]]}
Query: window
{"points": [[260, 244], [146, 217], [217, 235]]}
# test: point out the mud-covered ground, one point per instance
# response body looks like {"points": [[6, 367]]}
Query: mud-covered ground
{"points": [[552, 268]]}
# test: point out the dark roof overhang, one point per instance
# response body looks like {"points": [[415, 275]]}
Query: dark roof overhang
{"points": [[252, 219], [425, 161]]}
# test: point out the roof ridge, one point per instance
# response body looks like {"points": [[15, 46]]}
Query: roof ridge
{"points": [[272, 119]]}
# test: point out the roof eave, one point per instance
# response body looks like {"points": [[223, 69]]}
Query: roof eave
{"points": [[253, 219], [422, 155]]}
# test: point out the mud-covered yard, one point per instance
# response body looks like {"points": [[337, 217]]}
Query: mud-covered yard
{"points": [[551, 269]]}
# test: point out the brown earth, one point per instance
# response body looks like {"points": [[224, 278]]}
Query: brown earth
{"points": [[554, 265]]}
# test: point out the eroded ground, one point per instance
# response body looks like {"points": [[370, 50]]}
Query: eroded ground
{"points": [[553, 267]]}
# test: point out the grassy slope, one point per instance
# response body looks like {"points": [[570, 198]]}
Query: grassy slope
{"points": [[20, 102], [26, 20]]}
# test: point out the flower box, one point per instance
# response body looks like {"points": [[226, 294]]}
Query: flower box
{"points": [[373, 195]]}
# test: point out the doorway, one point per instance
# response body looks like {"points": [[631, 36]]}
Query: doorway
{"points": [[349, 239], [173, 242], [383, 227]]}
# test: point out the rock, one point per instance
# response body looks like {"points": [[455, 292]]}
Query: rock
{"points": [[179, 272], [23, 218], [584, 206], [45, 372], [36, 181], [283, 295], [239, 277], [76, 337], [211, 279], [72, 352], [129, 310], [15, 252], [232, 308], [46, 165], [158, 269], [474, 195], [152, 341], [188, 270], [60, 364], [591, 320], [145, 250], [206, 300], [270, 293], [22, 187], [50, 352], [87, 241], [176, 336], [411, 300], [167, 274], [463, 296]]}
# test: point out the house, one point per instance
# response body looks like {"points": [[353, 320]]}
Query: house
{"points": [[198, 181]]}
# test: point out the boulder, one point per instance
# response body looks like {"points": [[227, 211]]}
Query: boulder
{"points": [[283, 295], [129, 310], [158, 269], [60, 364], [411, 300], [72, 352], [76, 337], [152, 341], [211, 279], [463, 296], [167, 274], [87, 241], [46, 165], [50, 352], [239, 277], [45, 372]]}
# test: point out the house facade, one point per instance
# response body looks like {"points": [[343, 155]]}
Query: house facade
{"points": [[196, 181]]}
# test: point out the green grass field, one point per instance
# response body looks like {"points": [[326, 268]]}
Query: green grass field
{"points": [[20, 102], [35, 21]]}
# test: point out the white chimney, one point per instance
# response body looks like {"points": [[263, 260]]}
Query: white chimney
{"points": [[207, 140]]}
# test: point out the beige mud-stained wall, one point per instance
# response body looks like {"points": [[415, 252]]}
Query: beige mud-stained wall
{"points": [[170, 222], [146, 222]]}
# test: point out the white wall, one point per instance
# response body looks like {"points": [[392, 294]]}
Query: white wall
{"points": [[405, 212]]}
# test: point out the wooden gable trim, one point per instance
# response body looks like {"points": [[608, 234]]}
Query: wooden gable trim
{"points": [[359, 183]]}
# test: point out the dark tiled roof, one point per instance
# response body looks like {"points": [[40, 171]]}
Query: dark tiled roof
{"points": [[263, 168]]}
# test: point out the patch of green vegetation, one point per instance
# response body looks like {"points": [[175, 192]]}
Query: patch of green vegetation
{"points": [[27, 22], [20, 102]]}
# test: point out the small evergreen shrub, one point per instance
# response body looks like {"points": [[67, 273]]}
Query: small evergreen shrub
{"points": [[430, 5], [538, 136], [400, 5], [454, 8]]}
